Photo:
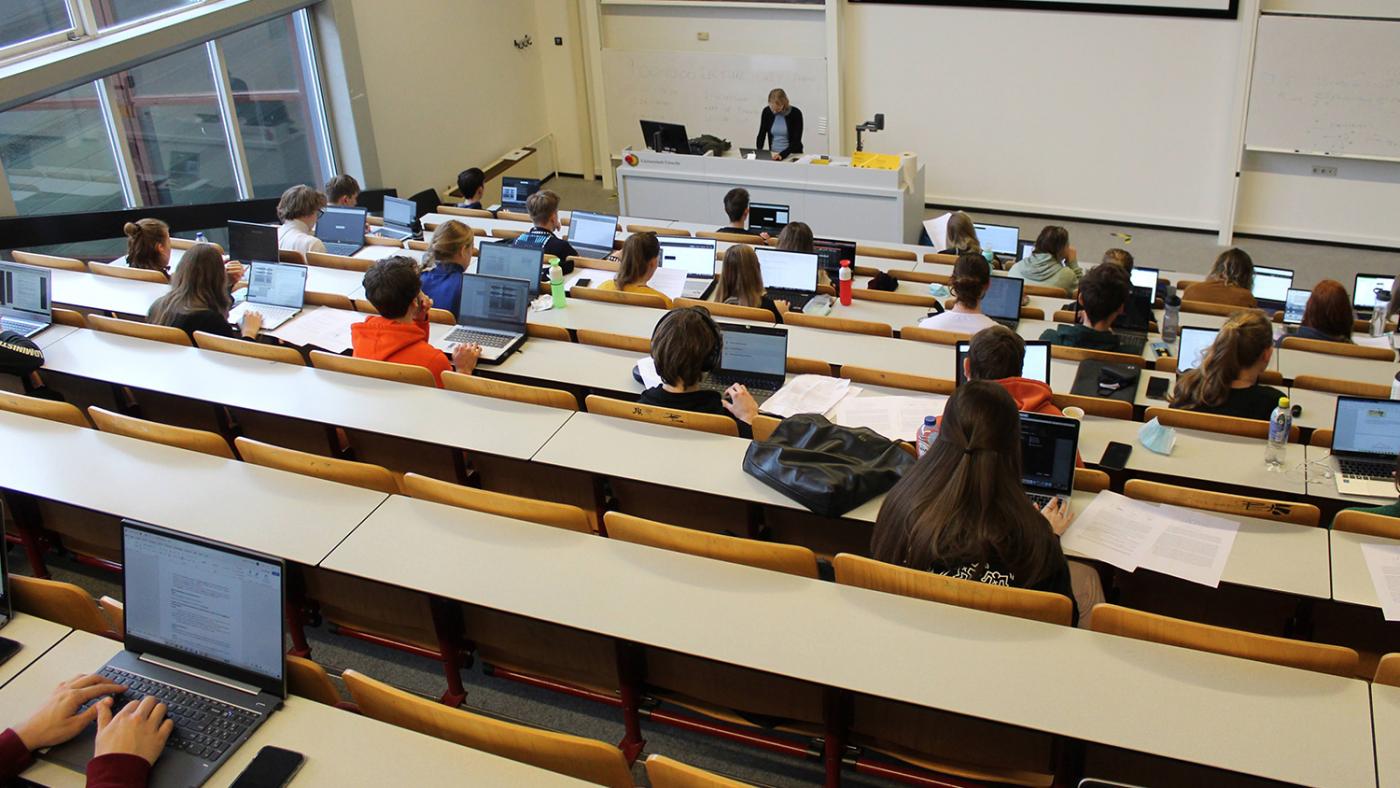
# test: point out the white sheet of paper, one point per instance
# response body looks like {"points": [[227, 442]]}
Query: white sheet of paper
{"points": [[1193, 546], [1382, 341], [1114, 529], [646, 367], [322, 327], [896, 418], [379, 252], [807, 394], [937, 229], [1383, 561], [670, 281], [595, 277]]}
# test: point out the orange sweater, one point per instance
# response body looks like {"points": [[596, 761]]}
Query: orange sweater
{"points": [[382, 339], [1032, 396]]}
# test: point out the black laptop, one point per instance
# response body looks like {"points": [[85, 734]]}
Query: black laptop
{"points": [[1049, 445], [1002, 302], [342, 230], [755, 356], [832, 252], [770, 218], [515, 191], [248, 241], [789, 276]]}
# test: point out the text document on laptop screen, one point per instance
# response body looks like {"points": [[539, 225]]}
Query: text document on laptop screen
{"points": [[279, 284], [592, 229], [754, 352], [25, 289], [1194, 344], [1367, 426], [695, 257], [1270, 286], [493, 302], [1003, 298], [788, 270], [204, 601]]}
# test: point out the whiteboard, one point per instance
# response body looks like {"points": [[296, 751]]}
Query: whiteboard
{"points": [[1326, 86], [719, 93]]}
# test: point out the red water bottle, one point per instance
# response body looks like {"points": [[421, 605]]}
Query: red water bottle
{"points": [[845, 277]]}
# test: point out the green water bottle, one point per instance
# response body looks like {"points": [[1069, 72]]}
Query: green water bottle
{"points": [[556, 284]]}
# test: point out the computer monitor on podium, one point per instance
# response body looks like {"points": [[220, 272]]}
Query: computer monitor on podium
{"points": [[665, 137]]}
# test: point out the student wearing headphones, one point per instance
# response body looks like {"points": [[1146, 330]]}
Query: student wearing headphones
{"points": [[685, 345], [641, 255], [736, 207], [972, 276], [1227, 380], [471, 182], [1103, 296]]}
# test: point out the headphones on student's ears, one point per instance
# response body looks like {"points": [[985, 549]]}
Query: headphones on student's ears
{"points": [[712, 360]]}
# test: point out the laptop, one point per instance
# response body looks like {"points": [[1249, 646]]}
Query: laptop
{"points": [[1271, 286], [1001, 240], [695, 256], [492, 314], [789, 276], [277, 291], [400, 216], [205, 635], [1035, 366], [755, 356], [520, 262], [770, 218], [1294, 305], [1145, 279], [832, 252], [592, 234], [1132, 326], [1193, 346], [515, 191], [1363, 297], [756, 153], [1003, 301], [342, 230], [1049, 445], [1365, 441], [26, 299], [1024, 249], [248, 241]]}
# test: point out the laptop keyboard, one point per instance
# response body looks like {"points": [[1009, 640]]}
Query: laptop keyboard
{"points": [[204, 727], [797, 299], [1367, 470], [1131, 343], [1040, 500], [758, 387], [462, 336], [23, 327], [344, 250]]}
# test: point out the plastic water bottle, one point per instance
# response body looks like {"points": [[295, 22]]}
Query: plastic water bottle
{"points": [[1280, 424], [845, 277], [1171, 319], [556, 284], [199, 238], [928, 431], [1382, 307]]}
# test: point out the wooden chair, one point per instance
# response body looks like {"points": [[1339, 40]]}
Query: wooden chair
{"points": [[618, 341], [829, 323], [179, 437], [922, 277], [309, 680], [1208, 308], [1182, 284], [1224, 503], [731, 238], [557, 515], [662, 772], [879, 576], [1210, 422], [671, 232], [1268, 377], [1115, 620], [62, 603], [338, 261], [375, 240], [545, 331], [1387, 671], [332, 300], [1095, 406], [807, 366], [370, 368], [515, 392], [442, 317], [1045, 290], [130, 328], [158, 405], [886, 254], [506, 233], [1083, 353], [619, 297], [584, 759], [596, 263], [786, 558], [69, 317], [292, 256], [363, 305], [1350, 388], [41, 408], [127, 272], [899, 380], [886, 297], [48, 261], [1338, 348], [652, 414], [355, 474], [115, 611], [933, 335], [1367, 524], [292, 433], [514, 216], [240, 347], [1322, 438], [419, 246], [1090, 480], [763, 427], [940, 259], [189, 243], [475, 213], [757, 314]]}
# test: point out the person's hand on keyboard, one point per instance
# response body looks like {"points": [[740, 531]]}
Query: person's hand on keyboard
{"points": [[1057, 513], [738, 401], [251, 324], [138, 729], [63, 715], [464, 357]]}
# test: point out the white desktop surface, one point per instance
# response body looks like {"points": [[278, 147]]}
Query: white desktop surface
{"points": [[35, 637]]}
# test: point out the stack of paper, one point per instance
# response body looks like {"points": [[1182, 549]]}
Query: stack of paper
{"points": [[322, 327], [807, 394], [896, 418], [1383, 562], [670, 281], [937, 229], [1173, 540]]}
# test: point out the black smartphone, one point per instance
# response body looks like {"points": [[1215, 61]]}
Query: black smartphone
{"points": [[584, 282], [8, 648], [1157, 388], [1115, 457], [273, 767]]}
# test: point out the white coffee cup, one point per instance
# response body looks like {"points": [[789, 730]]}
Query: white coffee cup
{"points": [[1074, 412]]}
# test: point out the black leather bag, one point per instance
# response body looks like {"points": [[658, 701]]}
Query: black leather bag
{"points": [[827, 468]]}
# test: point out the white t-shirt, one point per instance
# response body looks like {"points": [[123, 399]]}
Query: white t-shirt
{"points": [[294, 235], [958, 322]]}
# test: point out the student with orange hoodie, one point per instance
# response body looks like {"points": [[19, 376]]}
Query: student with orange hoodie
{"points": [[997, 353], [399, 333]]}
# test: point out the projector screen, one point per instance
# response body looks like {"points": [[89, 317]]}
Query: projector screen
{"points": [[1214, 8]]}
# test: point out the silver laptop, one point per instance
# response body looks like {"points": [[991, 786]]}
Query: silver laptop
{"points": [[342, 230], [1002, 302], [592, 234], [755, 356], [1192, 347], [1271, 286], [399, 216], [999, 239], [519, 262], [695, 256], [492, 314], [1049, 445], [205, 635], [1365, 442], [1294, 305], [26, 305], [789, 276], [277, 291]]}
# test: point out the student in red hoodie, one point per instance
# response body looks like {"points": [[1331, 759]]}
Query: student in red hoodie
{"points": [[399, 333], [997, 353]]}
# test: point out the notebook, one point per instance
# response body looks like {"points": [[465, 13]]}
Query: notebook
{"points": [[696, 257], [26, 299], [1049, 445], [492, 314], [1035, 366], [277, 291], [342, 230], [1365, 442], [755, 356], [789, 276]]}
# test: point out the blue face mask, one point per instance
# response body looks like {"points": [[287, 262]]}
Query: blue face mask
{"points": [[1157, 438], [938, 291]]}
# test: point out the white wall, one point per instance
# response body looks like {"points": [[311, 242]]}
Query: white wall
{"points": [[565, 98]]}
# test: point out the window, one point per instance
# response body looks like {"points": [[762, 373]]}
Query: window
{"points": [[26, 20], [110, 13], [57, 155]]}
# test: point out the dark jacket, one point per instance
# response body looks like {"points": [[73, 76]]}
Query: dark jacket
{"points": [[558, 247], [702, 401], [1255, 402], [443, 284], [740, 231], [794, 124], [1308, 332], [472, 205], [1081, 336], [206, 320], [18, 355]]}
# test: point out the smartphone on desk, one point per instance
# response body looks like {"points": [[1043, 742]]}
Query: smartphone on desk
{"points": [[1157, 388], [1115, 456], [273, 767]]}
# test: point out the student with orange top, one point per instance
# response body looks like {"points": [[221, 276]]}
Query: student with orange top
{"points": [[399, 333], [998, 354]]}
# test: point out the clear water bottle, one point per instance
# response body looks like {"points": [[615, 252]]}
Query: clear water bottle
{"points": [[1280, 424], [1382, 308], [199, 238], [1171, 319], [928, 432], [1395, 387]]}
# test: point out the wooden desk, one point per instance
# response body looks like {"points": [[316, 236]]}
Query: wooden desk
{"points": [[341, 748], [35, 637], [299, 518], [1220, 711], [1385, 711], [104, 293]]}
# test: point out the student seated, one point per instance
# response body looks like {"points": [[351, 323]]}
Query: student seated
{"points": [[998, 354], [684, 343], [128, 743], [298, 211], [343, 190], [471, 182], [1227, 380], [797, 237], [1053, 262], [148, 245], [1328, 316], [641, 255], [199, 298], [543, 207], [972, 276], [1121, 258], [741, 282], [447, 259], [1390, 509], [1231, 281], [399, 333], [1103, 295], [961, 235], [736, 207]]}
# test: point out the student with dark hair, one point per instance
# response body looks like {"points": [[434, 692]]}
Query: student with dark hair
{"points": [[741, 282], [1103, 295], [685, 344], [298, 210], [1231, 281], [736, 207], [148, 245], [972, 276], [1121, 258], [543, 207], [1053, 262], [998, 354], [1329, 316], [343, 190], [471, 182], [797, 237], [399, 333], [199, 298], [641, 255], [1227, 380]]}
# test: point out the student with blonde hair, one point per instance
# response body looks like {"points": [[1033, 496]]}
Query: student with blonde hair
{"points": [[543, 207], [641, 255], [961, 236], [780, 127], [148, 245], [199, 298], [298, 211], [972, 277], [447, 259], [741, 282], [1226, 382], [1231, 281]]}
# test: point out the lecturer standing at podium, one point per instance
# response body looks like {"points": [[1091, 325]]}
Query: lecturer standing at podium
{"points": [[782, 124]]}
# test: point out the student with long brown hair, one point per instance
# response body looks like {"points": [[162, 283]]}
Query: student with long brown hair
{"points": [[446, 261], [199, 297], [797, 237], [961, 236], [1226, 382], [972, 276], [641, 254], [741, 282], [1230, 281], [1328, 315], [148, 245]]}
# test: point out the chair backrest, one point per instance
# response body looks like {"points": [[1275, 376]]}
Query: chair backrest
{"points": [[1115, 620], [791, 559], [1209, 308], [442, 317], [934, 336], [514, 216], [763, 427], [807, 366], [670, 417], [291, 256], [453, 210], [69, 317], [618, 297], [1082, 353], [127, 272], [1321, 438], [309, 680], [515, 392], [419, 246], [48, 261], [506, 233], [618, 341], [1095, 406], [130, 328], [672, 232], [887, 297], [922, 277], [1211, 422], [201, 441], [1388, 670], [1091, 480], [1338, 348], [370, 368], [1045, 290], [1351, 388], [339, 261], [885, 253], [941, 259], [728, 310], [596, 264], [585, 759], [558, 515], [899, 380], [356, 474], [1269, 377], [62, 603], [732, 238], [375, 240], [830, 323], [1367, 523], [1225, 503], [188, 243], [239, 347], [546, 331], [662, 772], [862, 572], [363, 305], [332, 300], [40, 408]]}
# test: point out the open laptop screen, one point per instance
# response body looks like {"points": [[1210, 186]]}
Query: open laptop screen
{"points": [[1367, 426], [769, 217], [1000, 239], [24, 292], [1003, 298], [832, 252], [496, 302], [695, 256], [1145, 278], [205, 604], [754, 350], [515, 191], [1294, 305], [515, 261], [1271, 284], [342, 225], [1364, 292], [248, 241], [277, 284], [1048, 445], [1035, 366], [788, 270], [1194, 344], [592, 229], [399, 212]]}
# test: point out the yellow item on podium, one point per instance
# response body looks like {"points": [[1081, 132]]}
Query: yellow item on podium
{"points": [[875, 161]]}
